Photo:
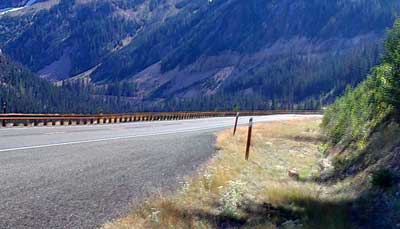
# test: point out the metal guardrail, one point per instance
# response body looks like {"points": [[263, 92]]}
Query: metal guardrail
{"points": [[11, 120]]}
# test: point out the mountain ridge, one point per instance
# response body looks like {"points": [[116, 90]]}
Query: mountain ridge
{"points": [[290, 51]]}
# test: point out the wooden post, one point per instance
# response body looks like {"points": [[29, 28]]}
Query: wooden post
{"points": [[249, 139], [236, 123]]}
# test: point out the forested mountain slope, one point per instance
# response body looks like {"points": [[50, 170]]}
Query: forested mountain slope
{"points": [[74, 36], [12, 3], [26, 93], [198, 54]]}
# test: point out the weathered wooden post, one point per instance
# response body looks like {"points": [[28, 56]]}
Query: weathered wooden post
{"points": [[249, 139], [236, 123]]}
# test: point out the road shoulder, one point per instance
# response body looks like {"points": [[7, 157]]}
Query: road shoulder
{"points": [[232, 192]]}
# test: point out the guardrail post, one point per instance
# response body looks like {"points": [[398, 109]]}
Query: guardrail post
{"points": [[236, 123], [28, 123], [4, 107], [249, 139]]}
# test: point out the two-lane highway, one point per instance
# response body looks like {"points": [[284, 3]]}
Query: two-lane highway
{"points": [[83, 176]]}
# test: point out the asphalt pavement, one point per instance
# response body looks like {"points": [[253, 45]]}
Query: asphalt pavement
{"points": [[84, 176]]}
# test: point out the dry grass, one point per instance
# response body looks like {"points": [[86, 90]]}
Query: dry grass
{"points": [[232, 192]]}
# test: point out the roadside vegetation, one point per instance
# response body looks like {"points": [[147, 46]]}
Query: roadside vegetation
{"points": [[361, 110], [232, 192], [363, 140]]}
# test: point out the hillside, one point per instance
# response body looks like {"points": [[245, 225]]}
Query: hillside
{"points": [[256, 48], [12, 3], [74, 36], [363, 130], [185, 54], [26, 93]]}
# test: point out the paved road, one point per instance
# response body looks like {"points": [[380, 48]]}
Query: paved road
{"points": [[83, 176]]}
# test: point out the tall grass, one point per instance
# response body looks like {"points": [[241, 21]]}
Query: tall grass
{"points": [[231, 192]]}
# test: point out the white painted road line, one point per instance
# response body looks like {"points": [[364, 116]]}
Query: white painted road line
{"points": [[112, 139], [202, 127]]}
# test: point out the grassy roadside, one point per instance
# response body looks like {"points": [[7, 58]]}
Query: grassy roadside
{"points": [[230, 192]]}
